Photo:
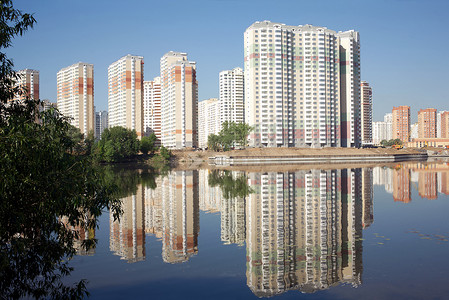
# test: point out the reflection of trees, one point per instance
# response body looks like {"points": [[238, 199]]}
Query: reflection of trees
{"points": [[231, 187]]}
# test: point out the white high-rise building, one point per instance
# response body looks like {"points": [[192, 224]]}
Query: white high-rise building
{"points": [[439, 114], [125, 94], [101, 123], [302, 86], [388, 119], [379, 132], [75, 95], [179, 101], [152, 108], [208, 120], [232, 96]]}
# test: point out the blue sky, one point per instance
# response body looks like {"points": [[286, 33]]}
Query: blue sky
{"points": [[404, 43]]}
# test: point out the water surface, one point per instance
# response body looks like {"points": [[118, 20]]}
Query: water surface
{"points": [[376, 233]]}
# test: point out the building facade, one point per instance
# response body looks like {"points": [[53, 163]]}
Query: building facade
{"points": [[101, 123], [29, 80], [367, 113], [179, 101], [232, 96], [427, 119], [444, 125], [294, 76], [152, 108], [401, 123], [125, 94], [208, 120], [75, 96]]}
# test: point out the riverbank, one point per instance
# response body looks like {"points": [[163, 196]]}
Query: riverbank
{"points": [[188, 159]]}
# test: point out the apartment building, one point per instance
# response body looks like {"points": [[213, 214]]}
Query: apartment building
{"points": [[75, 95], [208, 120], [29, 80], [179, 101], [443, 122], [427, 123], [301, 83], [125, 93], [101, 123], [367, 113], [401, 123], [152, 108], [232, 96]]}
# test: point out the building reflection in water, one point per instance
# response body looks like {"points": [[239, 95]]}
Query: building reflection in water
{"points": [[170, 212], [304, 229], [428, 179]]}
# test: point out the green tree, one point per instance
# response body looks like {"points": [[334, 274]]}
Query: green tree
{"points": [[46, 191], [148, 144], [165, 153], [241, 131], [213, 142], [116, 144]]}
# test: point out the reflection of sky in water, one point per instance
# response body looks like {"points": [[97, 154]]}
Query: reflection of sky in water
{"points": [[403, 254]]}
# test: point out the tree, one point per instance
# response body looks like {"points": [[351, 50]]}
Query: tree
{"points": [[165, 153], [241, 133], [213, 142], [46, 190], [43, 183], [117, 143], [147, 144]]}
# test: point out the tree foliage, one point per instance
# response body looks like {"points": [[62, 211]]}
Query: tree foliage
{"points": [[47, 189], [148, 144], [232, 134], [391, 142], [117, 143], [42, 182]]}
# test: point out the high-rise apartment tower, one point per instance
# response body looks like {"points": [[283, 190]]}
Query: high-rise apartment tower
{"points": [[179, 101], [75, 98], [152, 108], [301, 83], [427, 123], [125, 94], [28, 79], [401, 123], [232, 96], [367, 113]]}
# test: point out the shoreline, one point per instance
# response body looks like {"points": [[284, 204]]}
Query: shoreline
{"points": [[292, 156]]}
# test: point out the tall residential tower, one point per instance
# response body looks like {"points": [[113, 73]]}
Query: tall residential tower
{"points": [[179, 101], [152, 108], [75, 97], [28, 79], [401, 123], [302, 83], [231, 96], [367, 113], [125, 94]]}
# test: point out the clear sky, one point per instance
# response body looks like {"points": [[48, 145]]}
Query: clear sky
{"points": [[404, 43]]}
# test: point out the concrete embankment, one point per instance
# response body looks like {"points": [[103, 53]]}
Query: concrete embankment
{"points": [[328, 158]]}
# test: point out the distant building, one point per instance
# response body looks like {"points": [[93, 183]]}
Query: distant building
{"points": [[367, 112], [401, 123], [46, 105], [379, 132], [444, 125], [427, 123], [152, 108], [125, 93], [179, 101], [75, 96], [29, 80], [414, 131], [232, 96], [208, 120], [101, 123], [388, 119]]}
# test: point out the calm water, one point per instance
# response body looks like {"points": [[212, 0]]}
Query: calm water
{"points": [[375, 233]]}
